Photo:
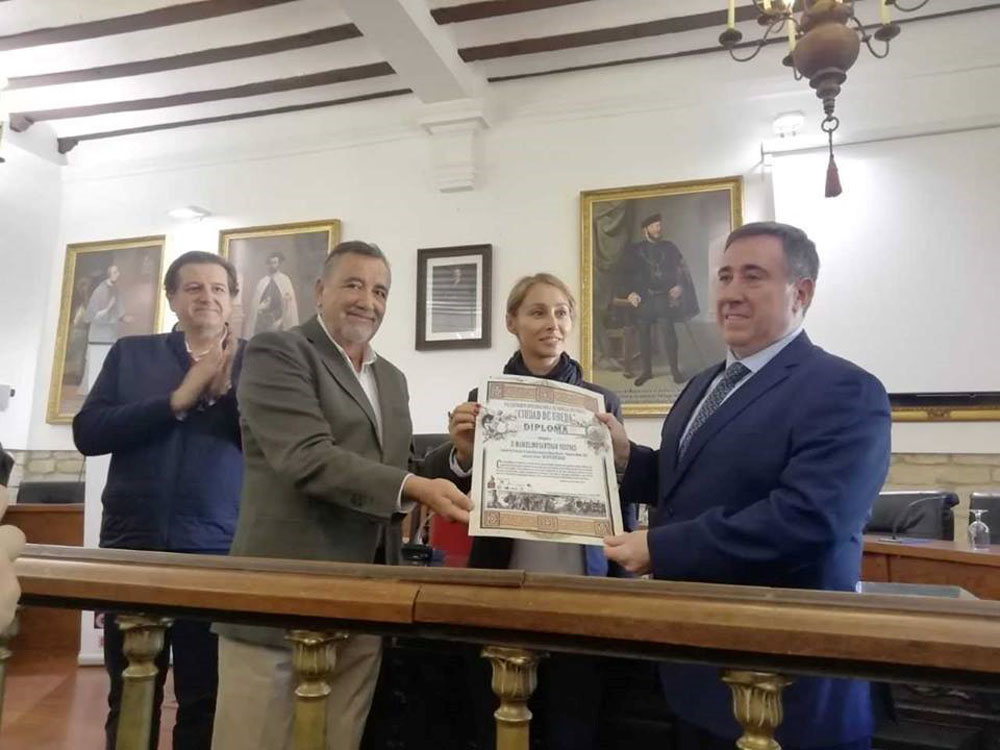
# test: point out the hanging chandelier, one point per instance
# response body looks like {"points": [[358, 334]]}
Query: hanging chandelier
{"points": [[824, 41]]}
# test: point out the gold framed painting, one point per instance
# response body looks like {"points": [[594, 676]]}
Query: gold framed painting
{"points": [[276, 267], [978, 406], [647, 259], [110, 289]]}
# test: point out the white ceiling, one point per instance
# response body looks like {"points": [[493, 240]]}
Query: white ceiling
{"points": [[428, 57]]}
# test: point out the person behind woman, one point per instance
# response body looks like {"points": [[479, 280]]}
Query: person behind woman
{"points": [[11, 545], [540, 313]]}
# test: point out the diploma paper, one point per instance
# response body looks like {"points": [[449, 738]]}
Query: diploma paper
{"points": [[543, 466]]}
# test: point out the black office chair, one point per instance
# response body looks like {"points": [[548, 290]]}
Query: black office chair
{"points": [[50, 492], [918, 514], [990, 502], [425, 442]]}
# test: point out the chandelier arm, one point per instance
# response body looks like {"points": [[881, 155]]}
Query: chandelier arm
{"points": [[866, 39], [910, 9], [759, 45], [880, 55]]}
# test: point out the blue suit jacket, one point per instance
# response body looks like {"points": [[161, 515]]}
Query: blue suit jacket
{"points": [[773, 490]]}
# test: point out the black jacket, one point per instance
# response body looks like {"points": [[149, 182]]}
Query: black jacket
{"points": [[173, 485], [495, 552]]}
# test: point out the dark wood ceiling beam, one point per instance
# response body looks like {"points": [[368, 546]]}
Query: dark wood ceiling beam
{"points": [[629, 61], [493, 8], [192, 59], [626, 33], [151, 19], [719, 49], [20, 121], [68, 143]]}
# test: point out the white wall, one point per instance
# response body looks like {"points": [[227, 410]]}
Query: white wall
{"points": [[30, 194], [909, 262]]}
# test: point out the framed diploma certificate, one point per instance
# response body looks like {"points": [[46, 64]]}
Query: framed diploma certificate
{"points": [[543, 467]]}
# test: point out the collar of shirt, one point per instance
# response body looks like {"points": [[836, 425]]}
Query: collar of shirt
{"points": [[756, 361], [370, 355], [195, 357], [365, 376], [753, 363]]}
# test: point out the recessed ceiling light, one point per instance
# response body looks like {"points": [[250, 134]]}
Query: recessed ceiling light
{"points": [[188, 213], [789, 124]]}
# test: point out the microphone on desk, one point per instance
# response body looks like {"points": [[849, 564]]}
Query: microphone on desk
{"points": [[904, 515]]}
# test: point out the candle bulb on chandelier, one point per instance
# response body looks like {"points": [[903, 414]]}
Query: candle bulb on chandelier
{"points": [[791, 33], [732, 14], [884, 12], [767, 6]]}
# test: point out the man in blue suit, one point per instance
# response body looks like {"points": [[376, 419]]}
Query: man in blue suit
{"points": [[767, 468]]}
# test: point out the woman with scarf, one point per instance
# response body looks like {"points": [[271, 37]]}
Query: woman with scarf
{"points": [[540, 313]]}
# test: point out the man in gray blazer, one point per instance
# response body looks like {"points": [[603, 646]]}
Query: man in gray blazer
{"points": [[328, 474]]}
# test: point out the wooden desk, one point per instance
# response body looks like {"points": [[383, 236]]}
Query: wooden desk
{"points": [[46, 630], [45, 523], [935, 562]]}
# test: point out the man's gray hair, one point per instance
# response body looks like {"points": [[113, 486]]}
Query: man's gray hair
{"points": [[354, 247], [800, 251]]}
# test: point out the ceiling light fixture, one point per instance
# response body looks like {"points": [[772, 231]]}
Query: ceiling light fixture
{"points": [[188, 213], [788, 125], [824, 40]]}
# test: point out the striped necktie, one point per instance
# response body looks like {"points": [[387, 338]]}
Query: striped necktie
{"points": [[733, 375]]}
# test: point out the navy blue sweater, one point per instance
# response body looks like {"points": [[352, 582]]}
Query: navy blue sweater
{"points": [[173, 485]]}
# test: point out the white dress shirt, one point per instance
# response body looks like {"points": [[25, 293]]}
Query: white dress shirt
{"points": [[754, 363], [366, 379], [366, 376]]}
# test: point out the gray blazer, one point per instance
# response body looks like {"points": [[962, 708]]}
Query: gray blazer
{"points": [[318, 483]]}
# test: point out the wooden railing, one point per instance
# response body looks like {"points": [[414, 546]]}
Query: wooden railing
{"points": [[756, 636]]}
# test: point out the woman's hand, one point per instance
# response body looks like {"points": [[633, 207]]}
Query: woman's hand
{"points": [[462, 430]]}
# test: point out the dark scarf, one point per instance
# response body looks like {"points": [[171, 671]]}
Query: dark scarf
{"points": [[567, 369]]}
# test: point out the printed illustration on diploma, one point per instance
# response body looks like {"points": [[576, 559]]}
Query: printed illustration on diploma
{"points": [[543, 466]]}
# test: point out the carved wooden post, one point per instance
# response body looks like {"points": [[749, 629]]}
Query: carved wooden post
{"points": [[313, 658], [143, 641], [757, 706], [515, 675], [5, 654]]}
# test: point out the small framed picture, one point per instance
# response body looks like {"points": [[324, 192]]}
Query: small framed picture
{"points": [[454, 297]]}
